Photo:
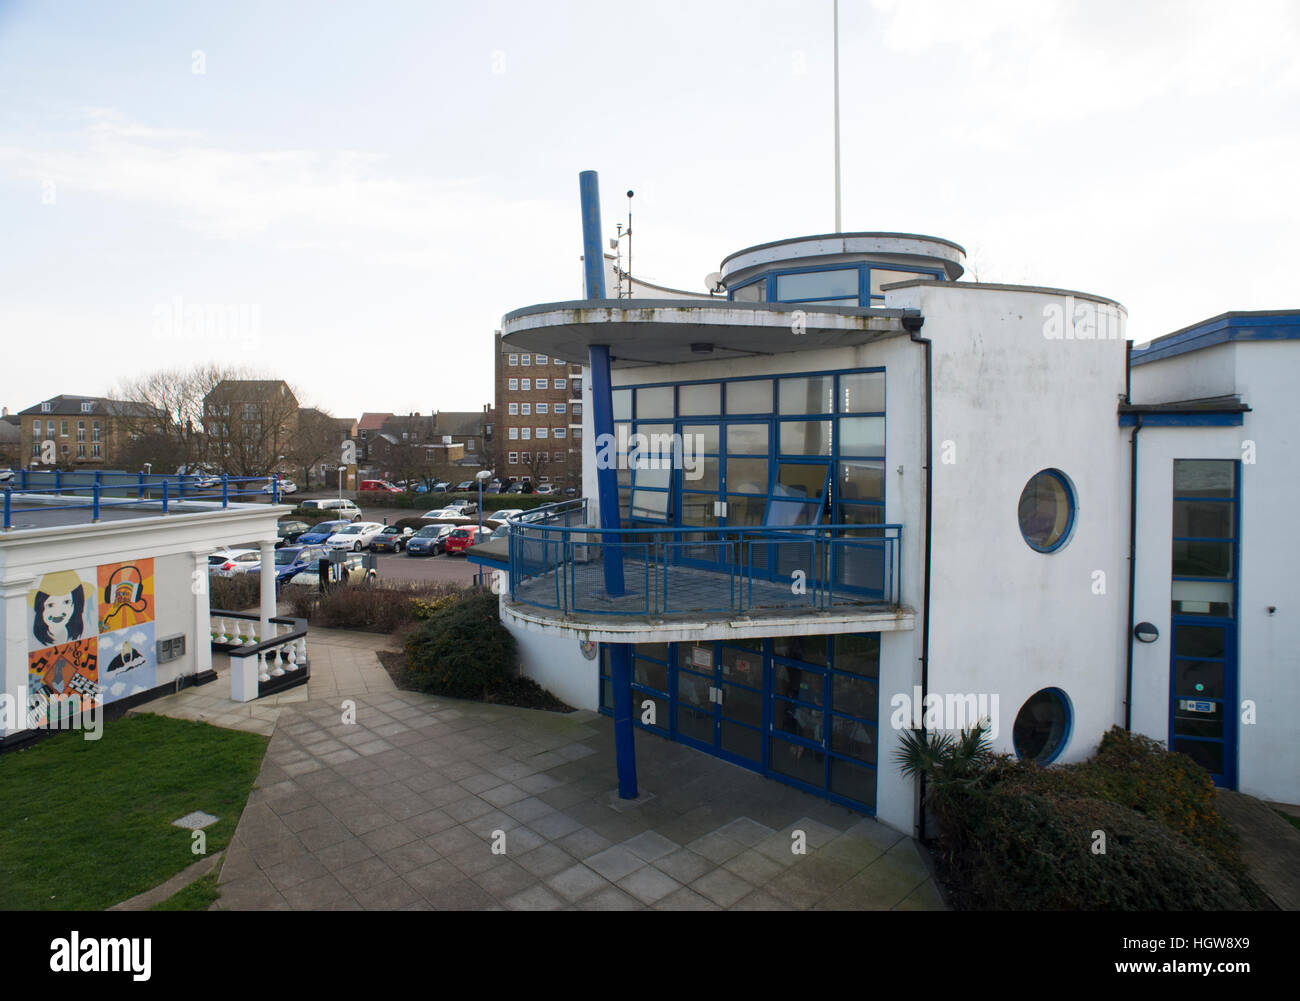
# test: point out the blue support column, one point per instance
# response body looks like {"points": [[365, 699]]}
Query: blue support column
{"points": [[620, 665], [602, 420]]}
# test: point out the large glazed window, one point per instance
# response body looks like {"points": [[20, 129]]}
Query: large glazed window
{"points": [[1046, 511]]}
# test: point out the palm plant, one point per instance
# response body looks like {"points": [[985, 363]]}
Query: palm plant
{"points": [[944, 759]]}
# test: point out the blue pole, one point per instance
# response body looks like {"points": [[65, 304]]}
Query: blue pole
{"points": [[620, 663], [164, 509], [94, 516], [602, 417], [9, 514], [56, 481], [141, 479], [225, 490]]}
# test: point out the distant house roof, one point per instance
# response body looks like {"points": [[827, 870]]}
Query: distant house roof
{"points": [[68, 405], [459, 422], [247, 390], [373, 422]]}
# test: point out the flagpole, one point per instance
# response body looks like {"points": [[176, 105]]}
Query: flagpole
{"points": [[836, 33]]}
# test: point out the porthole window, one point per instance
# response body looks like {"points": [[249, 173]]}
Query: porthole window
{"points": [[1043, 726], [1047, 510]]}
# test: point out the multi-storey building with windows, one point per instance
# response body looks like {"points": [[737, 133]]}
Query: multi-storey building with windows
{"points": [[89, 431], [538, 426], [852, 495]]}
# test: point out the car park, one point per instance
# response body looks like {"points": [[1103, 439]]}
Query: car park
{"points": [[443, 512], [391, 540], [356, 536], [319, 533], [288, 532], [462, 538], [238, 561], [340, 507], [429, 540]]}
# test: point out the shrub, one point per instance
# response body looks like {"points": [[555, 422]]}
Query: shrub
{"points": [[1014, 835], [461, 650], [387, 607], [234, 594]]}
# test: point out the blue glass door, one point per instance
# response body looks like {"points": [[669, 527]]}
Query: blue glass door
{"points": [[1203, 695]]}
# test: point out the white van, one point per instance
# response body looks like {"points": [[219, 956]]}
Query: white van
{"points": [[340, 507]]}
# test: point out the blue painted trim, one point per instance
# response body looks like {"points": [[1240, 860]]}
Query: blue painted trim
{"points": [[1064, 699], [1223, 329], [864, 268], [1183, 419]]}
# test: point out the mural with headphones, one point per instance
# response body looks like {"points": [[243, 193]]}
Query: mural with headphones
{"points": [[90, 637]]}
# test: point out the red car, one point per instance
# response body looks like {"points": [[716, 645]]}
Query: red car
{"points": [[381, 486], [464, 537]]}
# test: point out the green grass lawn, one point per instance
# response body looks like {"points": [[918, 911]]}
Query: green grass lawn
{"points": [[86, 824], [198, 896]]}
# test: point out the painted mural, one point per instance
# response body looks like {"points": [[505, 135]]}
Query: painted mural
{"points": [[126, 590], [90, 637], [127, 661], [62, 608]]}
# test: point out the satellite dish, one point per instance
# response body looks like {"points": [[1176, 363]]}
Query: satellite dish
{"points": [[713, 282]]}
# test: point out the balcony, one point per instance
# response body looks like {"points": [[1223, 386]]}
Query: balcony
{"points": [[697, 581]]}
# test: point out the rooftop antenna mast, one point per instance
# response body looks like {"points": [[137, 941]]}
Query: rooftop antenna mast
{"points": [[836, 34], [616, 244]]}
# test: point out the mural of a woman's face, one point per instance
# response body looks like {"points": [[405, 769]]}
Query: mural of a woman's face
{"points": [[58, 610]]}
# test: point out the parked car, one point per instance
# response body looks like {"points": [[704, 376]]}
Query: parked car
{"points": [[286, 487], [570, 491], [207, 481], [429, 540], [288, 532], [504, 513], [356, 536], [379, 486], [546, 488], [355, 569], [522, 487], [443, 512], [441, 487], [219, 557], [501, 532], [238, 561], [317, 535], [391, 540], [465, 485], [462, 538], [293, 560], [466, 508], [341, 507]]}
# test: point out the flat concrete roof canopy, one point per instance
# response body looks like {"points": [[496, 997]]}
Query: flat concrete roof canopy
{"points": [[642, 332]]}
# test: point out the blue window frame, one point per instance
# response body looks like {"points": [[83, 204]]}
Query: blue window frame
{"points": [[803, 710], [829, 284], [1205, 583]]}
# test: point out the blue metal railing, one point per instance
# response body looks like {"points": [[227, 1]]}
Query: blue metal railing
{"points": [[129, 490], [556, 563]]}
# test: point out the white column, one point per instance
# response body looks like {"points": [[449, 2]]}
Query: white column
{"points": [[202, 619], [13, 629], [267, 549]]}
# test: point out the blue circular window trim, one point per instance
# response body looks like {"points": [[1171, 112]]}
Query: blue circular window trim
{"points": [[1071, 500], [1067, 706]]}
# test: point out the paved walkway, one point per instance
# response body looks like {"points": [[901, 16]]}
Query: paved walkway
{"points": [[428, 803], [1270, 846]]}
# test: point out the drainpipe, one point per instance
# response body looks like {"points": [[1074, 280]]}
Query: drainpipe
{"points": [[913, 324], [602, 419], [1132, 537]]}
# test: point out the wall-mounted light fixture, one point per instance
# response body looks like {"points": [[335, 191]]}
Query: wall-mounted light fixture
{"points": [[1145, 632]]}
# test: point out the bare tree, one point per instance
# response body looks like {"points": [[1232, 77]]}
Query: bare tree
{"points": [[318, 440]]}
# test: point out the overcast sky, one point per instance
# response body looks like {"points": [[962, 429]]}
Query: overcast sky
{"points": [[368, 188]]}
